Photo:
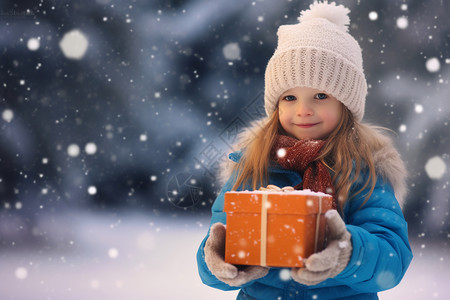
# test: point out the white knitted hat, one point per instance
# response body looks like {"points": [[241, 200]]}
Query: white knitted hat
{"points": [[319, 53]]}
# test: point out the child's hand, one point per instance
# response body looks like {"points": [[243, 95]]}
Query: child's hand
{"points": [[225, 272], [333, 259]]}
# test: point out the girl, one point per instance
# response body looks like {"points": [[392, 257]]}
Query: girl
{"points": [[313, 138]]}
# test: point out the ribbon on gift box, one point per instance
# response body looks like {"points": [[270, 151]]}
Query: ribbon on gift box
{"points": [[316, 238], [264, 206], [263, 251]]}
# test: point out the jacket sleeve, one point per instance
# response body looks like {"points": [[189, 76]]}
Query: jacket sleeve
{"points": [[381, 251], [218, 215]]}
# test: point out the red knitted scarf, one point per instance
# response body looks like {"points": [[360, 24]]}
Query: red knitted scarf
{"points": [[300, 156]]}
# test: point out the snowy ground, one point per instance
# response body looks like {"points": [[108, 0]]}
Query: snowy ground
{"points": [[133, 256]]}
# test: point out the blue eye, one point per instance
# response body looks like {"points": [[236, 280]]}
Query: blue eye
{"points": [[289, 98], [320, 96]]}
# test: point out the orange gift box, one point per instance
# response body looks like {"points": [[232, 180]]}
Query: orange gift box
{"points": [[274, 228]]}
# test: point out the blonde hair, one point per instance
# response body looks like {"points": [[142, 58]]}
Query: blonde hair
{"points": [[253, 167], [348, 150]]}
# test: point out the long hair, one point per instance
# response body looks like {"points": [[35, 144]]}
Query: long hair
{"points": [[348, 151], [253, 167]]}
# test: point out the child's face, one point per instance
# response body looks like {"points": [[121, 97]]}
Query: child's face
{"points": [[309, 113]]}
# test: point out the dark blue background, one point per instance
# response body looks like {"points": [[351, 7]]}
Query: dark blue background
{"points": [[158, 69]]}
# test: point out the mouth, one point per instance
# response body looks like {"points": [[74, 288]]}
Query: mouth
{"points": [[306, 125]]}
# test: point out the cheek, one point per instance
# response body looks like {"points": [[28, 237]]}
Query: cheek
{"points": [[331, 117], [334, 111], [282, 118], [335, 117]]}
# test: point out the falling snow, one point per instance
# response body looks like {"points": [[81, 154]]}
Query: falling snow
{"points": [[113, 253], [402, 22], [21, 273], [281, 152], [92, 190], [232, 51], [433, 65], [143, 137], [373, 16], [418, 108], [435, 167], [104, 103], [7, 115], [74, 44], [285, 274], [402, 128], [73, 150], [90, 148], [33, 44]]}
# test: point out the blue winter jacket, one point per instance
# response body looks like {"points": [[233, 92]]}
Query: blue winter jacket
{"points": [[381, 252]]}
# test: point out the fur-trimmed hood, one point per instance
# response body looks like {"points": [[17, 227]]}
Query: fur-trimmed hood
{"points": [[387, 160]]}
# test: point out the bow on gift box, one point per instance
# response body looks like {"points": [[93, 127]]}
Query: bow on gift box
{"points": [[275, 188]]}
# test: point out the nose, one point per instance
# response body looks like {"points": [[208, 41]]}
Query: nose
{"points": [[302, 108]]}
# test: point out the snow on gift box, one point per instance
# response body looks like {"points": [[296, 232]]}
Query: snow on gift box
{"points": [[274, 228]]}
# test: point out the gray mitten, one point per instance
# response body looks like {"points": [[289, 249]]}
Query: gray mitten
{"points": [[333, 259], [225, 272]]}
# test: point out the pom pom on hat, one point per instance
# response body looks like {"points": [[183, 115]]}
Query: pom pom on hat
{"points": [[337, 14], [318, 52]]}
